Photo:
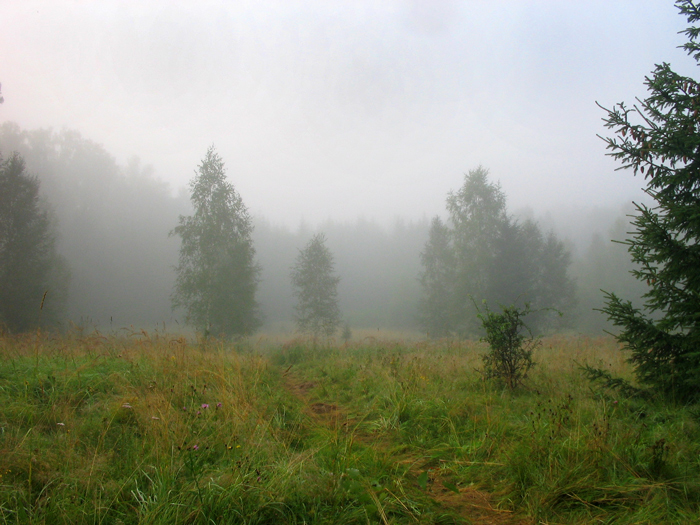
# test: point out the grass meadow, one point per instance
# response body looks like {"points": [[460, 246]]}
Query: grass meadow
{"points": [[148, 428]]}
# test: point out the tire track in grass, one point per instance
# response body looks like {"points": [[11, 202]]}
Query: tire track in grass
{"points": [[474, 505]]}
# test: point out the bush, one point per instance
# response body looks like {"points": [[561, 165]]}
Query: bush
{"points": [[510, 351]]}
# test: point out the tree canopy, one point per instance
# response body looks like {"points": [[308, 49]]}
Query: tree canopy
{"points": [[484, 254], [112, 223], [33, 277], [316, 289], [217, 276]]}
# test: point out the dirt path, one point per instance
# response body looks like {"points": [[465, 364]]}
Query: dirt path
{"points": [[474, 505]]}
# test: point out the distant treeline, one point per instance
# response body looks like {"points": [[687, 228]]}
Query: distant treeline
{"points": [[112, 226]]}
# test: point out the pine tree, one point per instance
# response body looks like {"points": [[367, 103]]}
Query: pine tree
{"points": [[33, 277], [659, 138], [437, 279], [217, 276], [316, 289]]}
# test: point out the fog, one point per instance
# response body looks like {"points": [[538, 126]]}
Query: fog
{"points": [[333, 110], [351, 118]]}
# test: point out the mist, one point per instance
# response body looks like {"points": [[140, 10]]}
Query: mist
{"points": [[334, 111], [353, 119], [114, 223]]}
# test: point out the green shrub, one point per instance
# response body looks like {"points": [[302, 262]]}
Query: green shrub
{"points": [[510, 351]]}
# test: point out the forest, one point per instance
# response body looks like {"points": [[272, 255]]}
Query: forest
{"points": [[111, 225], [174, 356]]}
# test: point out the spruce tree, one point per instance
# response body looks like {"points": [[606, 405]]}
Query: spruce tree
{"points": [[436, 307], [659, 138], [33, 277], [316, 289], [217, 276]]}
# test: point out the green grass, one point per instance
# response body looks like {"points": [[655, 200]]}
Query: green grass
{"points": [[152, 429]]}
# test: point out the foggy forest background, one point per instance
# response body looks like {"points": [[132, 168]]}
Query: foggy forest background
{"points": [[113, 221]]}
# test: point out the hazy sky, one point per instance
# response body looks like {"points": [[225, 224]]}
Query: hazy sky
{"points": [[338, 109]]}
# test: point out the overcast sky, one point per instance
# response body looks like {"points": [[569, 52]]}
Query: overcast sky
{"points": [[339, 109]]}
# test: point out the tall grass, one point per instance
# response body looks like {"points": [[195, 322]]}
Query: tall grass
{"points": [[556, 450], [149, 428]]}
